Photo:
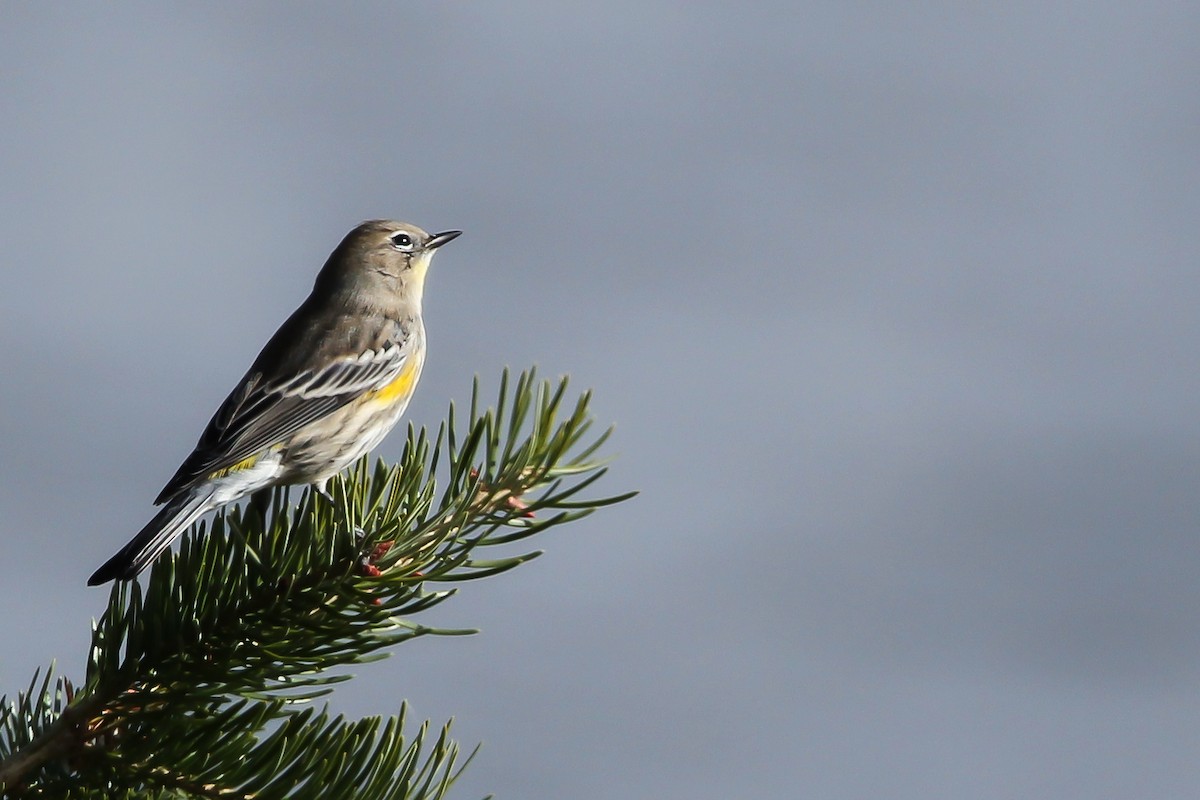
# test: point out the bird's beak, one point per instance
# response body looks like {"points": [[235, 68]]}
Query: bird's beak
{"points": [[439, 239]]}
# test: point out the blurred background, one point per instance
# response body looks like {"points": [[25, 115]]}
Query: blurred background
{"points": [[894, 307]]}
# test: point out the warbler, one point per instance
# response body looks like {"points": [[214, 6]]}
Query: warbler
{"points": [[326, 388]]}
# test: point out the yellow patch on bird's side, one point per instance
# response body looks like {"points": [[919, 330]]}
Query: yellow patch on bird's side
{"points": [[245, 463], [400, 386]]}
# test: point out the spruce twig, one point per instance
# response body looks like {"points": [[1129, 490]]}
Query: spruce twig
{"points": [[198, 680]]}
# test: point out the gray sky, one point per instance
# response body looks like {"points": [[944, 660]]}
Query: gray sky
{"points": [[892, 307]]}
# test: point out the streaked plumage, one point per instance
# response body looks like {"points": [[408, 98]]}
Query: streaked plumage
{"points": [[327, 388]]}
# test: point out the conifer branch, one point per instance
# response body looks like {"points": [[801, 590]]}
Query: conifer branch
{"points": [[197, 679]]}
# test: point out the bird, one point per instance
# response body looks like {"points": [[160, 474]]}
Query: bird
{"points": [[326, 388]]}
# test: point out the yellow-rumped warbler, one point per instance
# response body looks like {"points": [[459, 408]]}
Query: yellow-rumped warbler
{"points": [[328, 386]]}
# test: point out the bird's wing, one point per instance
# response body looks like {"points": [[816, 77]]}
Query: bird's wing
{"points": [[259, 414]]}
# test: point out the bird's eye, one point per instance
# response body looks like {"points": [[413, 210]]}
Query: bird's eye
{"points": [[403, 242]]}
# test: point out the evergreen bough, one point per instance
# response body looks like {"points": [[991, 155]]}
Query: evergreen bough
{"points": [[199, 679]]}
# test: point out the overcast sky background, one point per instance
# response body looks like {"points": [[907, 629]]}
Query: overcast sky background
{"points": [[894, 306]]}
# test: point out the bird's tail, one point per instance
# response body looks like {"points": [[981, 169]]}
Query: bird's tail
{"points": [[180, 511]]}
